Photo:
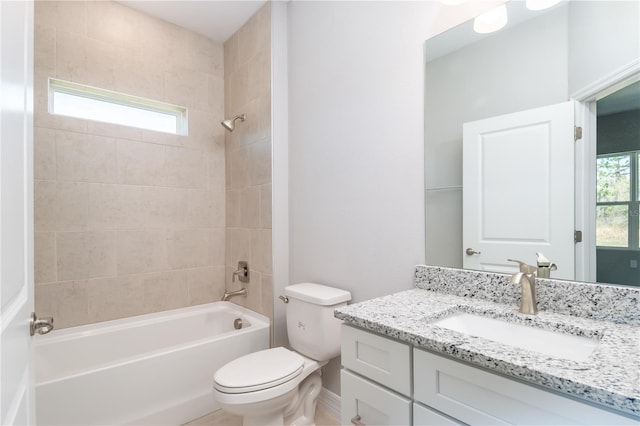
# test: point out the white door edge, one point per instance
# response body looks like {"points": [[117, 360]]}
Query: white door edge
{"points": [[586, 148]]}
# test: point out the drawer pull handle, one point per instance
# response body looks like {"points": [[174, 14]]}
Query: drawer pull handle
{"points": [[356, 421]]}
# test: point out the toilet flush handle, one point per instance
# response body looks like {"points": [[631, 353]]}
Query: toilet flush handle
{"points": [[285, 299]]}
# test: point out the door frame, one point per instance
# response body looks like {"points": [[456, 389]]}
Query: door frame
{"points": [[585, 158]]}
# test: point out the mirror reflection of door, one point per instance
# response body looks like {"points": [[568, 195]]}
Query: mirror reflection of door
{"points": [[518, 177], [618, 187]]}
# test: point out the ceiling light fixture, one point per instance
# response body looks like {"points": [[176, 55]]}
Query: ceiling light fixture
{"points": [[541, 4], [491, 21], [453, 2]]}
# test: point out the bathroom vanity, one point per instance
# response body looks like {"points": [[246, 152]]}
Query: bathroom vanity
{"points": [[415, 357]]}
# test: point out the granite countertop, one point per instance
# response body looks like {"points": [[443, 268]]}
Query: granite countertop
{"points": [[609, 377]]}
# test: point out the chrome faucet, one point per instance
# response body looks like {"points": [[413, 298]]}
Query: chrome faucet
{"points": [[229, 294], [545, 267], [527, 280]]}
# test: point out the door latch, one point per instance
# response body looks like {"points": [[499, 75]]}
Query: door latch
{"points": [[40, 325]]}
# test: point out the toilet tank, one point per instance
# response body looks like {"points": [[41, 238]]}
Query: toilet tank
{"points": [[312, 329]]}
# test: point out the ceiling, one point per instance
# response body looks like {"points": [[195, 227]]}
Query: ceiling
{"points": [[214, 19]]}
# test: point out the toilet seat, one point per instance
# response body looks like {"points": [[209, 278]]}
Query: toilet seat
{"points": [[258, 371]]}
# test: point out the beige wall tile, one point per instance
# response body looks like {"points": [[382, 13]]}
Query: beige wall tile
{"points": [[137, 73], [164, 207], [206, 284], [44, 56], [185, 168], [233, 208], [70, 15], [160, 197], [140, 163], [44, 153], [85, 60], [83, 255], [66, 302], [216, 249], [187, 87], [165, 290], [239, 166], [113, 130], [116, 207], [261, 250], [45, 257], [249, 39], [259, 77], [142, 251], [215, 85], [260, 163], [112, 23], [111, 298], [85, 158], [205, 55], [162, 138], [236, 91], [188, 248], [206, 209], [230, 55], [166, 41], [60, 206], [265, 206], [204, 130], [216, 167], [238, 246], [250, 207]]}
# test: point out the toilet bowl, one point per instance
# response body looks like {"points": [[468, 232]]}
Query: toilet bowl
{"points": [[264, 387], [280, 386]]}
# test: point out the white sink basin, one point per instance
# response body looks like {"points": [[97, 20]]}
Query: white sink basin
{"points": [[551, 343]]}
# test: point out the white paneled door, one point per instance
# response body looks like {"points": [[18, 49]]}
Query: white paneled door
{"points": [[16, 211], [518, 179]]}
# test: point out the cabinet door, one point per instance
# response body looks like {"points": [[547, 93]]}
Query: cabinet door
{"points": [[378, 358], [364, 402], [423, 416], [475, 396]]}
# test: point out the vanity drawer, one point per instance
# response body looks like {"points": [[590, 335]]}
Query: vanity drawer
{"points": [[383, 360], [476, 396], [424, 416], [364, 402]]}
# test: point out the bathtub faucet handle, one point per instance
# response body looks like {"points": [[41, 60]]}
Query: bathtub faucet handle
{"points": [[242, 273]]}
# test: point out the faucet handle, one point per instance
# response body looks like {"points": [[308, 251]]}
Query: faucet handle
{"points": [[524, 268]]}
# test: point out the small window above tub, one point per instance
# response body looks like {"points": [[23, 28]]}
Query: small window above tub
{"points": [[92, 103]]}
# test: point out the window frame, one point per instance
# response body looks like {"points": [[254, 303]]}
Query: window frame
{"points": [[117, 98], [633, 205]]}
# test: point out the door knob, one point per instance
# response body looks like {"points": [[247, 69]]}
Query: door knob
{"points": [[471, 252], [40, 325]]}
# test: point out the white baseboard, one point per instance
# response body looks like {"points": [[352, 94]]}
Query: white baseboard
{"points": [[330, 402]]}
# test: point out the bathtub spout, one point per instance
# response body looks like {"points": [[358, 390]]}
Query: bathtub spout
{"points": [[229, 294]]}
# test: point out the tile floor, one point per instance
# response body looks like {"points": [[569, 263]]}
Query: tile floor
{"points": [[221, 418]]}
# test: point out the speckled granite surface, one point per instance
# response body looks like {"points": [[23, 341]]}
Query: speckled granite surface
{"points": [[610, 376], [619, 304]]}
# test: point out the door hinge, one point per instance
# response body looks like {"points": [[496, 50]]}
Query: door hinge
{"points": [[577, 236], [577, 133]]}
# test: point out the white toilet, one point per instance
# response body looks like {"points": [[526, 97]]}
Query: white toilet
{"points": [[279, 386]]}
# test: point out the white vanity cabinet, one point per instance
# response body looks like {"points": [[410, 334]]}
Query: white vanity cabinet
{"points": [[376, 379], [385, 381]]}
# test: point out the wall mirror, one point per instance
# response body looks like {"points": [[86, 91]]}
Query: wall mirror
{"points": [[541, 58]]}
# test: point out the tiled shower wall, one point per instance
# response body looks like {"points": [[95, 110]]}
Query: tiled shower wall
{"points": [[248, 153], [129, 221]]}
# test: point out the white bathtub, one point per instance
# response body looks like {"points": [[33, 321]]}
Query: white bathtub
{"points": [[154, 369]]}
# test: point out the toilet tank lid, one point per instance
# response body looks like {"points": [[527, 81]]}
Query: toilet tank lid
{"points": [[317, 294]]}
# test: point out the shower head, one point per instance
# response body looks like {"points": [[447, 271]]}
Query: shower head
{"points": [[231, 124]]}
